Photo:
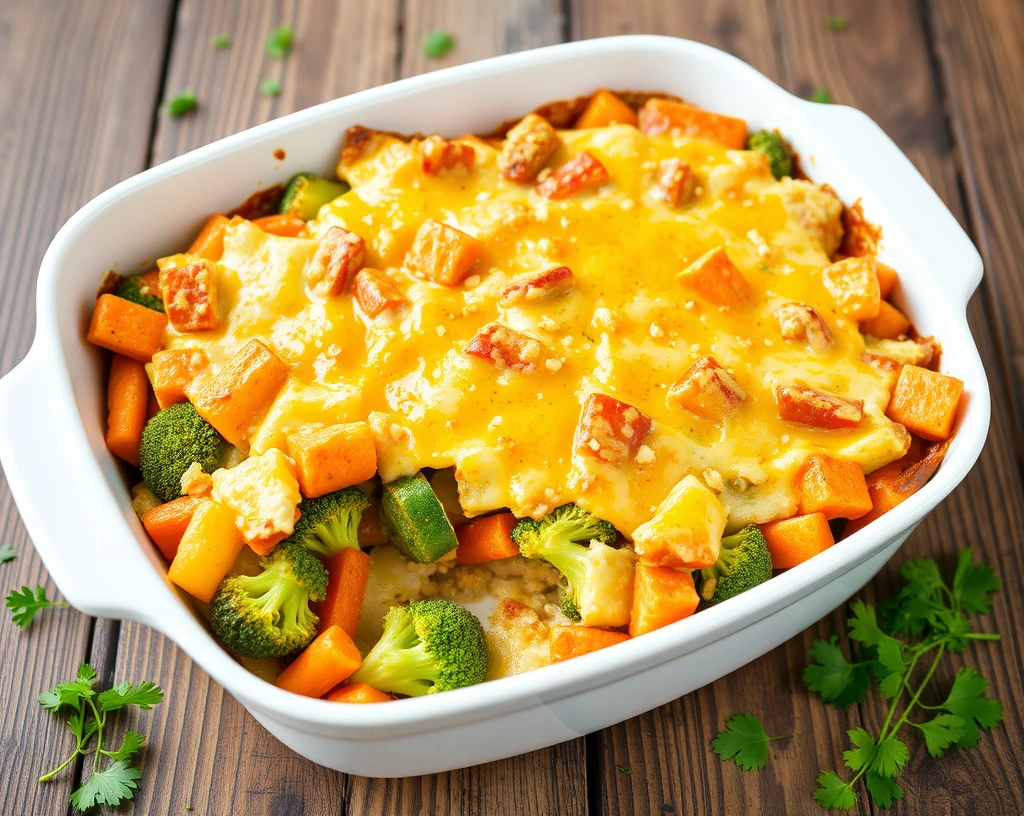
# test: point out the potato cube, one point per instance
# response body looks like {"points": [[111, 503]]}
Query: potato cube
{"points": [[686, 529], [925, 402], [835, 487], [190, 296], [715, 277], [527, 148], [853, 283], [333, 457], [442, 254], [376, 292], [800, 323]]}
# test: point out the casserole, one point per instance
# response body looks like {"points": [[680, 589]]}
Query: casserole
{"points": [[52, 403]]}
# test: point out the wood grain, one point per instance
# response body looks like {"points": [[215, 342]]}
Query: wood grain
{"points": [[73, 82]]}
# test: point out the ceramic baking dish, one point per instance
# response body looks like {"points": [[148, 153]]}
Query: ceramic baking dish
{"points": [[52, 410]]}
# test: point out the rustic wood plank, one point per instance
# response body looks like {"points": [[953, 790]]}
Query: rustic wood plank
{"points": [[73, 83]]}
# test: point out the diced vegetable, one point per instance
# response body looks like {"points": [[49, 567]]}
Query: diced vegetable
{"points": [[715, 278], [661, 595], [792, 541], [139, 289], [127, 396], [819, 409], [582, 172], [853, 283], [686, 530], [535, 286], [609, 429], [486, 539], [338, 258], [438, 155], [285, 225], [834, 487], [800, 323], [743, 562], [166, 523], [415, 519], [127, 328], [677, 118], [329, 524], [774, 147], [191, 297], [172, 442], [173, 372], [329, 660], [887, 279], [209, 243], [708, 390], [527, 148], [676, 182], [358, 693], [442, 254], [348, 573], [333, 457], [889, 324], [506, 348], [925, 402], [207, 550], [603, 109], [376, 292], [572, 641], [306, 193]]}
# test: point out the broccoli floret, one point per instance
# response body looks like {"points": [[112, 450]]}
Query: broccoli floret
{"points": [[171, 441], [428, 646], [330, 523], [779, 155], [561, 539], [138, 291], [268, 615], [743, 562]]}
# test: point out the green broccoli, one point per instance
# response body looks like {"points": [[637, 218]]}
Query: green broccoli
{"points": [[428, 646], [138, 291], [780, 157], [268, 615], [330, 523], [171, 441], [743, 562]]}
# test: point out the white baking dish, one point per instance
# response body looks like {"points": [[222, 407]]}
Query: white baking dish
{"points": [[76, 506]]}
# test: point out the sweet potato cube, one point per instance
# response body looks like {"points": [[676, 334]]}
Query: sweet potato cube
{"points": [[207, 550], [715, 277], [925, 402], [835, 487], [792, 541], [209, 243], [819, 409], [534, 286], [800, 323], [340, 255], [609, 429], [166, 523], [572, 641], [190, 296], [582, 172], [358, 693], [438, 155], [661, 595], [707, 390], [333, 457], [676, 182], [603, 109], [853, 283], [678, 118], [127, 399], [527, 148], [284, 225], [506, 348], [376, 292], [235, 399], [887, 279], [889, 324], [173, 372], [442, 254], [127, 328]]}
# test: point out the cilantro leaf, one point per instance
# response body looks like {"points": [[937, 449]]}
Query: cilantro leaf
{"points": [[941, 732], [863, 626], [743, 738], [111, 786], [834, 679], [222, 41], [7, 553], [65, 694], [891, 756], [882, 789], [132, 743], [864, 751], [271, 86], [145, 695], [836, 22], [24, 604], [822, 96], [833, 793], [973, 584], [967, 701], [889, 666], [438, 43], [182, 103], [279, 41]]}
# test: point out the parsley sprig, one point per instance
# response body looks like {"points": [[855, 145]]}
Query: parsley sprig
{"points": [[7, 553], [26, 602], [87, 711], [745, 741]]}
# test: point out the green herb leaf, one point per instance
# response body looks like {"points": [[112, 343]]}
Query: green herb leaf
{"points": [[837, 22], [833, 793], [24, 604], [863, 625], [624, 769], [271, 86], [66, 694], [890, 757], [941, 732], [882, 789], [743, 738], [222, 41], [182, 103], [864, 751], [823, 96], [111, 786], [974, 584], [967, 701], [889, 666], [279, 41], [438, 43], [132, 743], [145, 695], [834, 679], [7, 553]]}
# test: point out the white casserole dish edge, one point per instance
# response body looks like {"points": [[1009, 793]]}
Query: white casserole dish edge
{"points": [[52, 405]]}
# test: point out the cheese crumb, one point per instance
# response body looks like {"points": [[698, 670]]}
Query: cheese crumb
{"points": [[656, 330], [713, 479], [472, 280], [645, 455], [441, 331], [552, 364], [550, 325], [627, 204]]}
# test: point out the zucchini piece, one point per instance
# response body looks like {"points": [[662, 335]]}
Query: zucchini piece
{"points": [[306, 193], [416, 520]]}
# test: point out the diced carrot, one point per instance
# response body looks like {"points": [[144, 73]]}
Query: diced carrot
{"points": [[286, 225], [889, 324], [190, 296], [925, 402], [887, 279], [707, 390], [537, 285], [166, 523], [835, 487], [676, 182], [127, 328], [348, 573], [486, 539], [333, 457], [715, 277], [209, 243], [665, 116], [442, 254], [127, 398], [792, 541], [603, 109], [661, 595], [853, 283], [438, 155], [239, 394], [376, 292], [610, 429], [567, 642], [582, 172], [173, 372], [800, 323], [337, 259], [329, 660], [819, 409], [527, 148], [358, 693], [506, 348], [207, 550]]}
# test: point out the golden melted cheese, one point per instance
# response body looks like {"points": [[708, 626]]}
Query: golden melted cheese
{"points": [[628, 328]]}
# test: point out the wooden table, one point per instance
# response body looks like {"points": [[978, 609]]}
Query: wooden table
{"points": [[81, 108]]}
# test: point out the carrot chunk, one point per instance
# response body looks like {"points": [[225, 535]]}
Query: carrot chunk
{"points": [[333, 457], [127, 398], [285, 225], [376, 292], [661, 595], [209, 243], [678, 118], [348, 573], [127, 328], [535, 286], [527, 148], [486, 539], [925, 402], [610, 429], [567, 642], [853, 283], [887, 279], [676, 182], [190, 296], [835, 487], [792, 541], [442, 254], [603, 109], [707, 390], [438, 155], [358, 693], [582, 172], [207, 550], [819, 409], [173, 372], [506, 348], [329, 660], [166, 523], [337, 259], [239, 394], [889, 324], [715, 277]]}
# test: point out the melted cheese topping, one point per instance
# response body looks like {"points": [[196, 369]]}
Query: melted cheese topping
{"points": [[627, 329]]}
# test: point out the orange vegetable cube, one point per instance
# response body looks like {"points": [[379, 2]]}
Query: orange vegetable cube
{"points": [[348, 572], [661, 595], [190, 296], [127, 398], [340, 255], [715, 277], [358, 693], [886, 367], [209, 243], [889, 324], [925, 402], [173, 372], [376, 292], [506, 348], [486, 539], [442, 254], [582, 172], [819, 409], [708, 390], [127, 328], [678, 118], [676, 182], [610, 429], [853, 283], [603, 109], [152, 281], [235, 399], [207, 550], [887, 279], [527, 148], [166, 523], [572, 641], [538, 285], [792, 541], [329, 660], [800, 323], [438, 155], [832, 486], [333, 457], [686, 529], [285, 225]]}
